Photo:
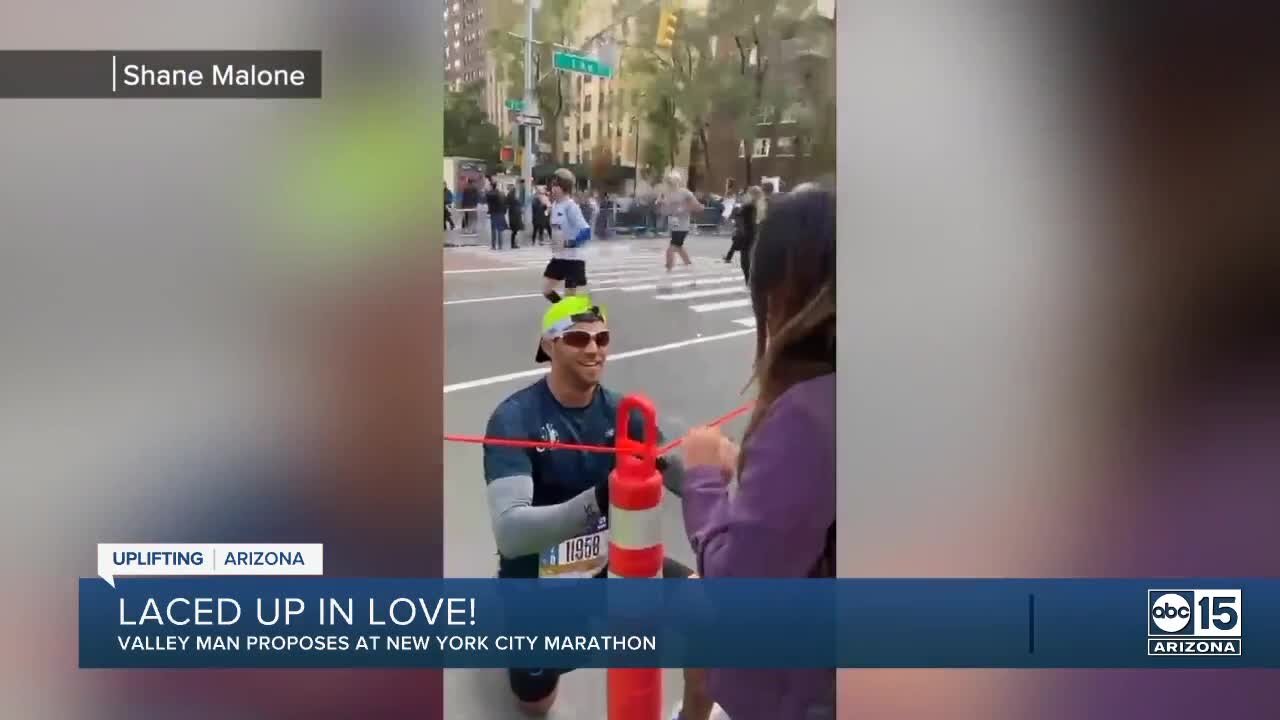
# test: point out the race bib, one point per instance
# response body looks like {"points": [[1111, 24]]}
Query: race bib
{"points": [[579, 557]]}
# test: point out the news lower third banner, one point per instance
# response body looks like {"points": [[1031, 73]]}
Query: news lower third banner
{"points": [[318, 622], [161, 74]]}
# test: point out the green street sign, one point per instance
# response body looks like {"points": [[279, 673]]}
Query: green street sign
{"points": [[515, 105], [580, 64]]}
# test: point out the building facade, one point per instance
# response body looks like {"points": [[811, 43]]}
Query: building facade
{"points": [[465, 56], [604, 124], [467, 59]]}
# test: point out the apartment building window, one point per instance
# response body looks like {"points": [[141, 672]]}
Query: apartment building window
{"points": [[786, 147], [587, 104], [742, 148], [566, 158], [586, 132], [761, 148], [586, 156]]}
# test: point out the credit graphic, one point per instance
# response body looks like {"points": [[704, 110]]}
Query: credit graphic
{"points": [[1194, 622]]}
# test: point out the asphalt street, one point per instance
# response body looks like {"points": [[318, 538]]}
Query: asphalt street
{"points": [[687, 347]]}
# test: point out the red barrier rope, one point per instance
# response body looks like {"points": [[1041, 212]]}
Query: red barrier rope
{"points": [[543, 444], [714, 423]]}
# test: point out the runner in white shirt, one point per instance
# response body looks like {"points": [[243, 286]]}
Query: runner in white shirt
{"points": [[679, 205], [569, 232]]}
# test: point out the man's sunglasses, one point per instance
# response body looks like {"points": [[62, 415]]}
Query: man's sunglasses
{"points": [[581, 338]]}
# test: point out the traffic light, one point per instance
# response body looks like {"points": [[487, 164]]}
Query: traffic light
{"points": [[667, 24]]}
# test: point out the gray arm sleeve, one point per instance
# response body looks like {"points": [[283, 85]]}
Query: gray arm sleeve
{"points": [[522, 529], [673, 474]]}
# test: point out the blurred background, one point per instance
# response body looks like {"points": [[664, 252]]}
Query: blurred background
{"points": [[219, 321], [1061, 317]]}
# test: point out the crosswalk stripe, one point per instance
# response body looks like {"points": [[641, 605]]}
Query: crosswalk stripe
{"points": [[746, 321], [618, 273], [679, 284], [722, 305], [696, 280], [708, 278], [702, 293]]}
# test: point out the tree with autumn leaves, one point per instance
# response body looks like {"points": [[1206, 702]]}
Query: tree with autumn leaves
{"points": [[738, 65]]}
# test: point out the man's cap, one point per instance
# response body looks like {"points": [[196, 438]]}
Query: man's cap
{"points": [[563, 315]]}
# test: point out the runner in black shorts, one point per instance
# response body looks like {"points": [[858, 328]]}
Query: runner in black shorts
{"points": [[679, 205], [569, 232], [573, 273], [539, 500]]}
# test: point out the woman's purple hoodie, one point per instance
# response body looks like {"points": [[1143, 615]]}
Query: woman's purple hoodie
{"points": [[775, 526]]}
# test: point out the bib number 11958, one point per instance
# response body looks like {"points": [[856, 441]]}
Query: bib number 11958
{"points": [[586, 547]]}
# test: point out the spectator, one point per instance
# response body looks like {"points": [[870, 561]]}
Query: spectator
{"points": [[515, 215], [497, 207], [448, 207], [781, 520], [541, 218], [470, 201], [745, 229]]}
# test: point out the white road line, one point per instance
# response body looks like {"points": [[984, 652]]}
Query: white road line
{"points": [[702, 293], [722, 305], [596, 270], [602, 286], [482, 270], [619, 356], [747, 321], [468, 301]]}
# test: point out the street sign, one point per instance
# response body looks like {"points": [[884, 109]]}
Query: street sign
{"points": [[580, 64], [531, 120], [516, 105]]}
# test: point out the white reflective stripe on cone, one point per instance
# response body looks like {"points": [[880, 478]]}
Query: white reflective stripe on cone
{"points": [[620, 577], [635, 529]]}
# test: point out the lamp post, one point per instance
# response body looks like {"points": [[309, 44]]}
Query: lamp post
{"points": [[635, 121]]}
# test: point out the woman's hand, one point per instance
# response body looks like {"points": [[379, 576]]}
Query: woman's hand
{"points": [[708, 446]]}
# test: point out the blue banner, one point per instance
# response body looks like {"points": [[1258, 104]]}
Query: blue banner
{"points": [[233, 622]]}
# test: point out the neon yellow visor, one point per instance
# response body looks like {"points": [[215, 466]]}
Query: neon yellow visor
{"points": [[563, 315]]}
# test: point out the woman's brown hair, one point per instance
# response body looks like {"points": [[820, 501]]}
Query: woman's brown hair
{"points": [[793, 294]]}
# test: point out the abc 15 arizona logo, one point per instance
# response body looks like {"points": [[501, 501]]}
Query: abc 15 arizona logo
{"points": [[1193, 622]]}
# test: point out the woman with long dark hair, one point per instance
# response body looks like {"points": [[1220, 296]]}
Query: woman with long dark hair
{"points": [[781, 521]]}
